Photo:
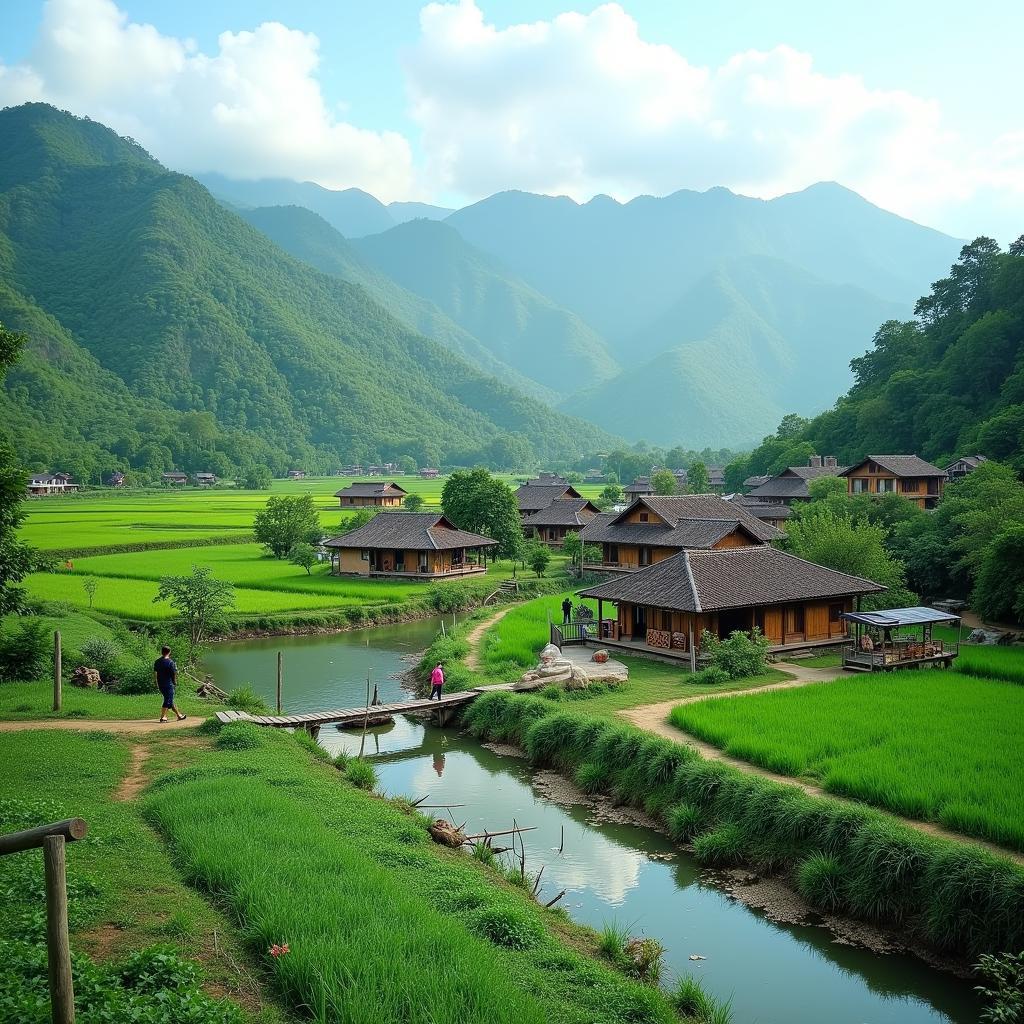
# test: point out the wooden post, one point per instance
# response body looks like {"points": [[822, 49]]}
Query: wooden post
{"points": [[693, 653], [58, 948], [280, 674], [56, 671]]}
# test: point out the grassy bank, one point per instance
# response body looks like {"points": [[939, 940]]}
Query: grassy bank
{"points": [[381, 924], [990, 662], [929, 745], [125, 898], [841, 857]]}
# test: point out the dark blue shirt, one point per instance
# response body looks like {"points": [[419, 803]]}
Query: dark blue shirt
{"points": [[165, 671]]}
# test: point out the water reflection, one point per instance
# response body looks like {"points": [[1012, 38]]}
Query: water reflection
{"points": [[776, 974]]}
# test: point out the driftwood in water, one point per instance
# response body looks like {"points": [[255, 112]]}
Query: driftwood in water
{"points": [[506, 832], [446, 834]]}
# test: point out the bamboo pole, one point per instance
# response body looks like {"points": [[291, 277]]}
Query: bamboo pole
{"points": [[57, 696], [280, 676], [62, 993], [507, 832]]}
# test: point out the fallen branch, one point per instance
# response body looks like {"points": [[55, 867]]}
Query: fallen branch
{"points": [[506, 832], [551, 903]]}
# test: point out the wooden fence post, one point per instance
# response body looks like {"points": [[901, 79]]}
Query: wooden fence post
{"points": [[62, 993], [56, 671], [280, 673]]}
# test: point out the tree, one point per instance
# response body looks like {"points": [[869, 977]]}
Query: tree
{"points": [[664, 482], [821, 534], [414, 503], [999, 589], [697, 479], [257, 478], [285, 522], [539, 558], [360, 517], [16, 558], [407, 464], [89, 585], [612, 494], [305, 556], [825, 487], [474, 500], [201, 600]]}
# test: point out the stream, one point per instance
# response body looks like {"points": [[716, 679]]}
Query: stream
{"points": [[611, 871]]}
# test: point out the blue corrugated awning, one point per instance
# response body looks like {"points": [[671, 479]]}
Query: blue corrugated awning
{"points": [[889, 618]]}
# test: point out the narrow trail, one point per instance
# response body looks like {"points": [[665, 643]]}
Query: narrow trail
{"points": [[653, 718], [129, 725], [135, 778], [476, 635]]}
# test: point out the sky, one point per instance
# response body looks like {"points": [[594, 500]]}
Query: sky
{"points": [[916, 105]]}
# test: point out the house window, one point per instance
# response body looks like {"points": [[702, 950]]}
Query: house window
{"points": [[612, 554], [364, 555], [644, 517], [835, 613], [860, 485], [795, 619], [886, 486], [645, 556]]}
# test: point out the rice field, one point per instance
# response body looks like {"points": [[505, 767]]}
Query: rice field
{"points": [[933, 745], [991, 662]]}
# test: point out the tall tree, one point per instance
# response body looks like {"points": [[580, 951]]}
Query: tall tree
{"points": [[16, 559], [664, 482], [697, 480], [201, 600], [999, 589], [285, 522], [474, 500]]}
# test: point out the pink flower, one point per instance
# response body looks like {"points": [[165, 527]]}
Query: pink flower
{"points": [[276, 950]]}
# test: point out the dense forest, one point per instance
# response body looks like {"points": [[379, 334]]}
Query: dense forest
{"points": [[948, 383], [166, 332]]}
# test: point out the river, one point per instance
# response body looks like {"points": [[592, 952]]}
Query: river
{"points": [[774, 973]]}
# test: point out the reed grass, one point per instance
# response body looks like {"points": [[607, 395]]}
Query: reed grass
{"points": [[934, 745], [957, 898]]}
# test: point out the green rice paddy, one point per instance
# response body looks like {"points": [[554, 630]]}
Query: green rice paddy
{"points": [[933, 745]]}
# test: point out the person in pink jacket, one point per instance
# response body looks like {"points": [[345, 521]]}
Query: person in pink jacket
{"points": [[436, 681]]}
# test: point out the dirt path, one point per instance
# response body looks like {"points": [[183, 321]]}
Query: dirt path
{"points": [[653, 718], [476, 635], [135, 778], [129, 725]]}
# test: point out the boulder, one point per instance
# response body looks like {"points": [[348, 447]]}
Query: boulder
{"points": [[556, 668], [445, 833], [86, 677], [599, 656], [984, 636], [578, 679], [550, 653]]}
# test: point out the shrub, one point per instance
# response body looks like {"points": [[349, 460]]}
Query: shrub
{"points": [[240, 736], [506, 926], [361, 774], [819, 879], [695, 1005], [133, 676], [712, 675], [721, 846], [245, 698], [591, 777], [449, 597], [1003, 990], [341, 760], [742, 654], [25, 651], [552, 692], [683, 821], [100, 653]]}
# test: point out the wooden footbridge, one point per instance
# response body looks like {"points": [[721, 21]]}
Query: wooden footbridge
{"points": [[312, 721]]}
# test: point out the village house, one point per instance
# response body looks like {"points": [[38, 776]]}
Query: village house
{"points": [[654, 528], [906, 475], [755, 481], [41, 485], [414, 544], [792, 484], [429, 473], [350, 471], [116, 479], [639, 488], [206, 479], [716, 479], [383, 469], [962, 467], [564, 515], [769, 513], [174, 479], [296, 474], [663, 609], [369, 493], [536, 494]]}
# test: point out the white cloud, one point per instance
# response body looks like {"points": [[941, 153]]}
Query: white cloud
{"points": [[581, 104], [252, 109]]}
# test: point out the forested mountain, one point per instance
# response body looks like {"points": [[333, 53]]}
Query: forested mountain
{"points": [[309, 237], [165, 329], [948, 383], [401, 212], [518, 324]]}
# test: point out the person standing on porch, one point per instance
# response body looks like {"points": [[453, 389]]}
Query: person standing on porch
{"points": [[566, 611], [436, 682]]}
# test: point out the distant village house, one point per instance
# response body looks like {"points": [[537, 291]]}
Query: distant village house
{"points": [[174, 479], [564, 515], [41, 485], [793, 483], [370, 493], [296, 474], [116, 479], [417, 544], [429, 473], [956, 471], [534, 495], [206, 479], [906, 475]]}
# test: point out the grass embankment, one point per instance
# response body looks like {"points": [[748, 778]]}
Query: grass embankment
{"points": [[932, 745], [28, 701], [841, 857], [512, 646], [124, 895], [382, 925], [989, 662]]}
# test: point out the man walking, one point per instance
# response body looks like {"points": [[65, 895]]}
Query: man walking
{"points": [[436, 682], [166, 673], [566, 611]]}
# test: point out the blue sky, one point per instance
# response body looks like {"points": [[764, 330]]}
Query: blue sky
{"points": [[913, 104]]}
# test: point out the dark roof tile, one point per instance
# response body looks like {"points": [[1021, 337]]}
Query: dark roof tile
{"points": [[414, 531]]}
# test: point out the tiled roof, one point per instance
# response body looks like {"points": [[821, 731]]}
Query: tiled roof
{"points": [[414, 531], [370, 489], [782, 487], [900, 465], [716, 476], [677, 507], [704, 581], [641, 485], [766, 510], [532, 497], [756, 481], [564, 512]]}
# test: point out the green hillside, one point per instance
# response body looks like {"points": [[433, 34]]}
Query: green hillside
{"points": [[949, 383], [164, 304], [309, 237], [517, 323]]}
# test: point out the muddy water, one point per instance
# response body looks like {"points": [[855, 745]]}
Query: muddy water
{"points": [[611, 870]]}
